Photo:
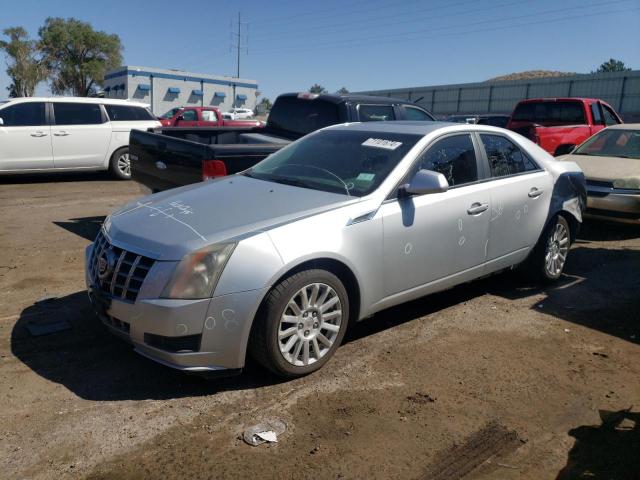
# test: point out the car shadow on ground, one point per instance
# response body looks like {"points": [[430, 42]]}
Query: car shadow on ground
{"points": [[96, 366], [85, 227], [57, 177], [609, 450]]}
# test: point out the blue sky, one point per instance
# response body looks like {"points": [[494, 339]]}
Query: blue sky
{"points": [[359, 44]]}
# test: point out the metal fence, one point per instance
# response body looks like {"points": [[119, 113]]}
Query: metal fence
{"points": [[621, 90]]}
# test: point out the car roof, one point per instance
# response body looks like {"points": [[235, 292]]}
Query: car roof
{"points": [[351, 97], [560, 99], [402, 126], [99, 100]]}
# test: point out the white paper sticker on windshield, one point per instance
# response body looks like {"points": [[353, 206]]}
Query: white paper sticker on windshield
{"points": [[381, 143], [366, 177]]}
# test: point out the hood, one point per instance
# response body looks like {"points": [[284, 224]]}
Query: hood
{"points": [[605, 169], [168, 225]]}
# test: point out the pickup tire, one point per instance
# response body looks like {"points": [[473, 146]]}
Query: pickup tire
{"points": [[300, 324], [120, 165], [548, 258]]}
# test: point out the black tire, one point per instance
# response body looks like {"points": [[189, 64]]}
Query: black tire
{"points": [[536, 267], [114, 168], [264, 345]]}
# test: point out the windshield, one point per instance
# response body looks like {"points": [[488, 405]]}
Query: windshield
{"points": [[612, 143], [170, 113], [547, 113], [353, 163]]}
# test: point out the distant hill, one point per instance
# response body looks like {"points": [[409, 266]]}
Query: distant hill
{"points": [[530, 75]]}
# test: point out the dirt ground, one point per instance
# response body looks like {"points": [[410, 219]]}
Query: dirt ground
{"points": [[493, 379]]}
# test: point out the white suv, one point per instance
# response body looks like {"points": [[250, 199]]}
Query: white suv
{"points": [[69, 133], [239, 113]]}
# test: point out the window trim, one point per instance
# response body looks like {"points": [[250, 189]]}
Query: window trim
{"points": [[487, 167]]}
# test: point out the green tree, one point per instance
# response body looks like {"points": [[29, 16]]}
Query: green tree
{"points": [[315, 88], [612, 65], [266, 103], [78, 56], [24, 66], [342, 91]]}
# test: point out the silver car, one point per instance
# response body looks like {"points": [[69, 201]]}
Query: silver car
{"points": [[278, 260]]}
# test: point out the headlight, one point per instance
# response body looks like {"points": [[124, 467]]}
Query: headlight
{"points": [[197, 273], [630, 183]]}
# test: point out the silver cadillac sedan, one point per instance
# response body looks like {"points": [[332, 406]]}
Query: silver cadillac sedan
{"points": [[277, 261]]}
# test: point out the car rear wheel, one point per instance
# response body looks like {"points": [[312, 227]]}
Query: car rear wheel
{"points": [[301, 323], [548, 259], [120, 165]]}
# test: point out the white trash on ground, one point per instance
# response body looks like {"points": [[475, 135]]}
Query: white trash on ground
{"points": [[266, 431]]}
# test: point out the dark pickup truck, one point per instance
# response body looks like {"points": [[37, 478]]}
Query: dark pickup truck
{"points": [[173, 156]]}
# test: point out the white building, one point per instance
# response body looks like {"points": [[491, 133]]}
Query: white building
{"points": [[167, 89]]}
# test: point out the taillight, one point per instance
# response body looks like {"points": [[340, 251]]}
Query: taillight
{"points": [[213, 169]]}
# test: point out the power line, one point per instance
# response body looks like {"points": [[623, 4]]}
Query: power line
{"points": [[376, 39], [314, 13], [387, 17], [365, 26]]}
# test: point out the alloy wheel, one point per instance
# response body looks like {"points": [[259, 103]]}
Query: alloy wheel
{"points": [[309, 324], [556, 252]]}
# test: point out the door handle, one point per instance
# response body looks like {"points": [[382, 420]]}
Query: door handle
{"points": [[477, 208], [535, 192], [39, 134], [61, 133]]}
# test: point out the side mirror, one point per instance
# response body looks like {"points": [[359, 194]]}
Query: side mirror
{"points": [[425, 181]]}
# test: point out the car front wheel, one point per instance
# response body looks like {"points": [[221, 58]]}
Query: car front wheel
{"points": [[301, 323]]}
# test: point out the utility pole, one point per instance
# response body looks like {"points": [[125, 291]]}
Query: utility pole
{"points": [[239, 47]]}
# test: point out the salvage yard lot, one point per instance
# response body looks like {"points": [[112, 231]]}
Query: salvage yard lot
{"points": [[497, 378]]}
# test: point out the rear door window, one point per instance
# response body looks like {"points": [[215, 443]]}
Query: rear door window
{"points": [[122, 113], [505, 157], [375, 113], [77, 113], [27, 114], [209, 116]]}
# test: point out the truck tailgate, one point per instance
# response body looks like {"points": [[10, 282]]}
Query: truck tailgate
{"points": [[161, 162]]}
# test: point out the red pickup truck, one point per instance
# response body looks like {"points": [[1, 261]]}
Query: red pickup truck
{"points": [[201, 117], [559, 124]]}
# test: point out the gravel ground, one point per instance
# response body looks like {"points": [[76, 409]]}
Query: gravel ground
{"points": [[493, 379]]}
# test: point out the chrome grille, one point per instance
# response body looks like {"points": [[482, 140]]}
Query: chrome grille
{"points": [[130, 270]]}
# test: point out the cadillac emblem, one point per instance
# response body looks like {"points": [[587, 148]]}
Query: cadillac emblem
{"points": [[106, 264]]}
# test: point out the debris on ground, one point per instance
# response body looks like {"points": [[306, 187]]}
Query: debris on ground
{"points": [[267, 431]]}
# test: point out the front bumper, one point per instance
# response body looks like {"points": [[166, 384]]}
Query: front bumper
{"points": [[198, 336], [613, 204]]}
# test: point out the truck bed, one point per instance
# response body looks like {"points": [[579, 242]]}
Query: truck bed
{"points": [[172, 157]]}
